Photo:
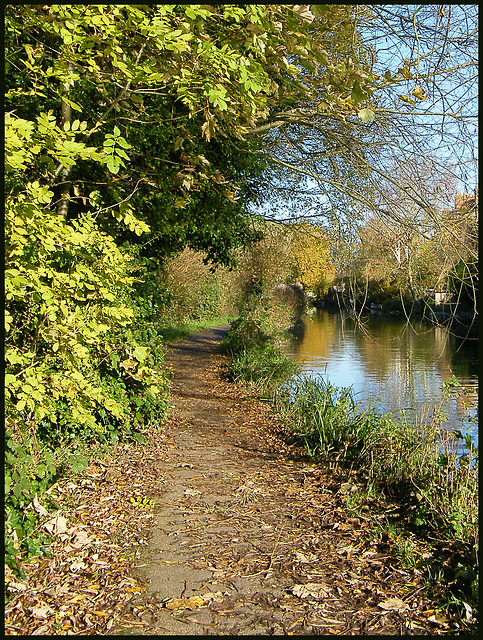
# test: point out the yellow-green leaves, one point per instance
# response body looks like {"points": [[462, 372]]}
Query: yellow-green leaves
{"points": [[419, 93], [140, 353], [18, 141], [366, 115], [218, 97], [63, 287], [114, 154]]}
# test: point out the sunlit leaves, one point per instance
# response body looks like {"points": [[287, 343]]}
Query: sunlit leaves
{"points": [[217, 96], [18, 137], [418, 92], [65, 283], [114, 154], [366, 115]]}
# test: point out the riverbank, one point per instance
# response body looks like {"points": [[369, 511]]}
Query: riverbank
{"points": [[216, 525], [459, 320]]}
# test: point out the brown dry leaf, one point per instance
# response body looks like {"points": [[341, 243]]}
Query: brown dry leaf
{"points": [[56, 525], [317, 590], [192, 492], [78, 598], [42, 611], [393, 604], [305, 558], [78, 565], [42, 511], [441, 620], [80, 539]]}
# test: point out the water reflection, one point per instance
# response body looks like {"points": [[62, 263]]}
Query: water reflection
{"points": [[394, 364]]}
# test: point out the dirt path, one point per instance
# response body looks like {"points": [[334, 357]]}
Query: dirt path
{"points": [[213, 525], [250, 537]]}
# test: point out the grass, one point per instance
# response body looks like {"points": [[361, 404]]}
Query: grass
{"points": [[413, 465], [403, 459], [264, 367]]}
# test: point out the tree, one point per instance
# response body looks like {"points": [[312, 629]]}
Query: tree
{"points": [[312, 261], [416, 106], [172, 95]]}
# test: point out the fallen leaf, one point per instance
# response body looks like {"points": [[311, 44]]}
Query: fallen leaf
{"points": [[38, 507], [41, 612], [438, 621], [346, 551], [56, 525], [305, 558], [214, 596], [192, 492], [393, 604], [78, 598], [17, 586], [316, 590], [468, 611], [80, 539], [77, 565]]}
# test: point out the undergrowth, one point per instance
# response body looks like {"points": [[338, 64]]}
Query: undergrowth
{"points": [[255, 357], [417, 466]]}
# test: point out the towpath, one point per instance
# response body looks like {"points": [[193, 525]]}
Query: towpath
{"points": [[214, 525], [250, 538]]}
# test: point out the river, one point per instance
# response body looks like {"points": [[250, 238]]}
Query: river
{"points": [[394, 364]]}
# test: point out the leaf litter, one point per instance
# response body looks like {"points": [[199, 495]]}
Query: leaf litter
{"points": [[285, 555]]}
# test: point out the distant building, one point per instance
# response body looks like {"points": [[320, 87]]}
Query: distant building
{"points": [[466, 202], [466, 205], [439, 296]]}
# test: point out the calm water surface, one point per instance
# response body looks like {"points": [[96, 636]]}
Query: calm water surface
{"points": [[394, 365]]}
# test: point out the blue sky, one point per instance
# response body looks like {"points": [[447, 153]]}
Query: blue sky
{"points": [[437, 51]]}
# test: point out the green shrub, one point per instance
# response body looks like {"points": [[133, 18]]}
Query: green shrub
{"points": [[266, 367], [77, 372], [245, 333], [30, 469], [319, 413], [400, 458], [252, 341]]}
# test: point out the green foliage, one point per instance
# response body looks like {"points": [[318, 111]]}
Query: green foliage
{"points": [[65, 286], [247, 332], [323, 416], [75, 371], [169, 95], [30, 469], [251, 342], [265, 367], [397, 456]]}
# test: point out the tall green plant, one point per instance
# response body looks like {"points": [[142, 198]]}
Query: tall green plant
{"points": [[66, 288], [75, 371]]}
